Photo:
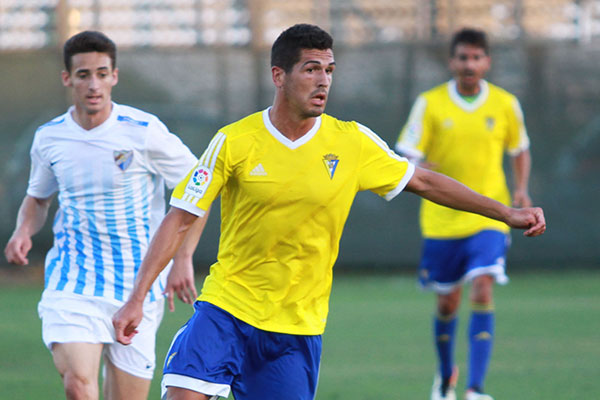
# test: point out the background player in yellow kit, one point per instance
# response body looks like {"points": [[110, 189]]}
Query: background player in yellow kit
{"points": [[287, 177], [462, 129]]}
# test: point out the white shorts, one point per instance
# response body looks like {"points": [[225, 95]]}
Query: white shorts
{"points": [[68, 317]]}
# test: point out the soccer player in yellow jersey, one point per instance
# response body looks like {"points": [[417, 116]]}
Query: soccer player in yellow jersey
{"points": [[462, 129], [287, 177]]}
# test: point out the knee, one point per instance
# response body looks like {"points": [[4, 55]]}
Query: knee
{"points": [[78, 387], [447, 305], [481, 292]]}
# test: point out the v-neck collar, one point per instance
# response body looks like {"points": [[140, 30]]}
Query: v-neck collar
{"points": [[283, 139], [109, 121], [464, 104]]}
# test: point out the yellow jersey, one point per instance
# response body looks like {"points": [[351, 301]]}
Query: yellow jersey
{"points": [[283, 208], [466, 141]]}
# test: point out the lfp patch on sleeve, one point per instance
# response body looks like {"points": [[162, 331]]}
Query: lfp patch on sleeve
{"points": [[198, 183]]}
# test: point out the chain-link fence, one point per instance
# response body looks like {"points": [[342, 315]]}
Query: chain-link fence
{"points": [[198, 86], [33, 24]]}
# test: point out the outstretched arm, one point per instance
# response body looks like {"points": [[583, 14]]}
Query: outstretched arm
{"points": [[165, 243], [181, 278], [30, 219], [450, 193]]}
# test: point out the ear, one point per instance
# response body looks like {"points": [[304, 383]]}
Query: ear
{"points": [[278, 75], [115, 76], [451, 65], [66, 78], [489, 63]]}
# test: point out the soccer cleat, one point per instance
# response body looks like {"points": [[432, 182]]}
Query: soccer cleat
{"points": [[473, 395], [437, 389]]}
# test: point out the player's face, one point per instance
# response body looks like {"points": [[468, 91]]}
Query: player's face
{"points": [[307, 85], [91, 79], [469, 65]]}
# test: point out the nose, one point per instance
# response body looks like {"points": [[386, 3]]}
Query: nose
{"points": [[94, 82], [470, 63], [324, 79]]}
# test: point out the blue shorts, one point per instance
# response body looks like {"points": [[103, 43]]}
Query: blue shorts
{"points": [[447, 263], [215, 353]]}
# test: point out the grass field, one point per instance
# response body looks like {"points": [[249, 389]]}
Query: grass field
{"points": [[378, 341]]}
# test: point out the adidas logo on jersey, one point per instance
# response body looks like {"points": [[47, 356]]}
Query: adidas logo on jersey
{"points": [[259, 170]]}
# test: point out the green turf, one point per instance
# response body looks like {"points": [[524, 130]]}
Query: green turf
{"points": [[378, 340]]}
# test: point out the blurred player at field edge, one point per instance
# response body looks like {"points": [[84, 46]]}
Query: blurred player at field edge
{"points": [[287, 177], [109, 164], [461, 129]]}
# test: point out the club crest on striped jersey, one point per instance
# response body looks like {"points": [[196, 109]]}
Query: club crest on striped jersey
{"points": [[199, 181], [331, 162], [123, 158]]}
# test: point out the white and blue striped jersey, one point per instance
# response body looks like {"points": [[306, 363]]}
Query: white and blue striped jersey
{"points": [[110, 182]]}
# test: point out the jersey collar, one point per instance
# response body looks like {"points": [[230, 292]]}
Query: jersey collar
{"points": [[106, 124], [462, 103], [284, 140]]}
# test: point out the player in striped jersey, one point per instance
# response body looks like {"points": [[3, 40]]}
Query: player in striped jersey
{"points": [[287, 177], [462, 129], [109, 164]]}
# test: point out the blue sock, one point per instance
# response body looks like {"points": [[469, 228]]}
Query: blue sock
{"points": [[444, 329], [481, 341]]}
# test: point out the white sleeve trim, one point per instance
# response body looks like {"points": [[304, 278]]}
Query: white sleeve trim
{"points": [[518, 150], [189, 207], [409, 152], [410, 170]]}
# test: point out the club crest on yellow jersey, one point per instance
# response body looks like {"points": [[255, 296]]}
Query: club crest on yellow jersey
{"points": [[331, 162], [489, 123]]}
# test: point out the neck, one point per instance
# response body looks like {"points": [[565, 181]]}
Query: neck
{"points": [[291, 125], [90, 121], [468, 90]]}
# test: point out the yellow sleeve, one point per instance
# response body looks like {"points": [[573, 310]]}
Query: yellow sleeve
{"points": [[204, 182], [414, 137], [381, 170], [517, 139]]}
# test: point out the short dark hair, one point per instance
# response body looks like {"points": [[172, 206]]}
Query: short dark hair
{"points": [[86, 42], [474, 37], [287, 48]]}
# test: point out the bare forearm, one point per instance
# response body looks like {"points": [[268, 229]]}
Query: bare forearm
{"points": [[190, 242], [448, 192], [165, 243], [32, 215]]}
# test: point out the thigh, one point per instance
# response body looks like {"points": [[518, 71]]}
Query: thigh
{"points": [[119, 385], [175, 393], [279, 366], [80, 360], [70, 319], [442, 264], [206, 353], [486, 255], [139, 358]]}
